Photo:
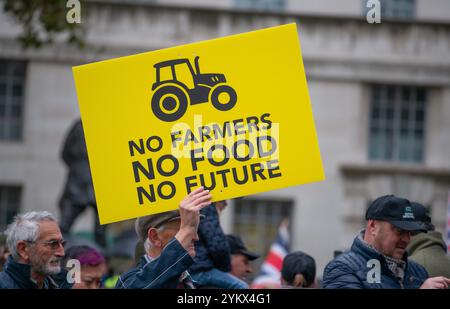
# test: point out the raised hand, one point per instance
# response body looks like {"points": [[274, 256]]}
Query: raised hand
{"points": [[190, 208]]}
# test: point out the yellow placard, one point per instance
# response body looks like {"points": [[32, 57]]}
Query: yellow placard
{"points": [[231, 114]]}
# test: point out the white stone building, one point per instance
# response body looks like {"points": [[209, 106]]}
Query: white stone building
{"points": [[380, 95]]}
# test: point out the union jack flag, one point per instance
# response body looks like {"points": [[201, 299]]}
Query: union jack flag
{"points": [[270, 274]]}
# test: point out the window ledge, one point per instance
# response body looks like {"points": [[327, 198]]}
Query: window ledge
{"points": [[350, 169]]}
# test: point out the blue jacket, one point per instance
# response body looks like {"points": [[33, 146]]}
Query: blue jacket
{"points": [[212, 249], [349, 270], [161, 273], [18, 276]]}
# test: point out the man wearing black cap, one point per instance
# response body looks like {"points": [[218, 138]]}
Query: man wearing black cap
{"points": [[241, 258], [378, 258], [429, 249], [169, 244]]}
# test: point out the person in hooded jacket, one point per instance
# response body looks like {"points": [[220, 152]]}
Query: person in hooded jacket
{"points": [[429, 249]]}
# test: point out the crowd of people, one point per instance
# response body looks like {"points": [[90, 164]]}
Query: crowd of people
{"points": [[187, 248]]}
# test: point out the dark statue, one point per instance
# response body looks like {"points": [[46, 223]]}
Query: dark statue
{"points": [[78, 193]]}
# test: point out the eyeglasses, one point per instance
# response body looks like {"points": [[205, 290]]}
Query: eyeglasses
{"points": [[54, 244]]}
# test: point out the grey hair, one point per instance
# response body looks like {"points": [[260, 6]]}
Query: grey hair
{"points": [[25, 227], [147, 243]]}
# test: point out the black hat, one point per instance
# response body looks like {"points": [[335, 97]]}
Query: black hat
{"points": [[422, 214], [237, 246], [395, 210]]}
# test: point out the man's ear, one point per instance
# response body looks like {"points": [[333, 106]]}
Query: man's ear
{"points": [[23, 251], [153, 236], [371, 227]]}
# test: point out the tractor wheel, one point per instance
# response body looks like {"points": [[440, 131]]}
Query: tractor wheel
{"points": [[223, 97], [169, 103]]}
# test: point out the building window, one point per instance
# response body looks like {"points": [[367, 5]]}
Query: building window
{"points": [[10, 197], [257, 222], [12, 90], [398, 8], [397, 123], [260, 5], [394, 8]]}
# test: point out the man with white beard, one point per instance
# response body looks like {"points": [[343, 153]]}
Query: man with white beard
{"points": [[36, 247]]}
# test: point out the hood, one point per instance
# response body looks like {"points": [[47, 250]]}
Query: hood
{"points": [[425, 240]]}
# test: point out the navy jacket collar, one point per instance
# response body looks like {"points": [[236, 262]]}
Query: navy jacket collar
{"points": [[21, 275]]}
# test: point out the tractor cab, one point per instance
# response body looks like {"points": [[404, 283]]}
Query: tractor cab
{"points": [[166, 72], [178, 84], [181, 71]]}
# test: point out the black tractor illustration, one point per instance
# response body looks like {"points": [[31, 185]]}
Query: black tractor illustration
{"points": [[179, 85]]}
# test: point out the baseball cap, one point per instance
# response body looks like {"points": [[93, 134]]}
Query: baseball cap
{"points": [[396, 210], [237, 246]]}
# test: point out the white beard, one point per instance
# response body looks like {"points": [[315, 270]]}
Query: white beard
{"points": [[48, 268], [52, 270]]}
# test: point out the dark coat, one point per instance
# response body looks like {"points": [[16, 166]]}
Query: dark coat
{"points": [[212, 250], [18, 276], [349, 270]]}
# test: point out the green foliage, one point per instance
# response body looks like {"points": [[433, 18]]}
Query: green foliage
{"points": [[42, 21]]}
